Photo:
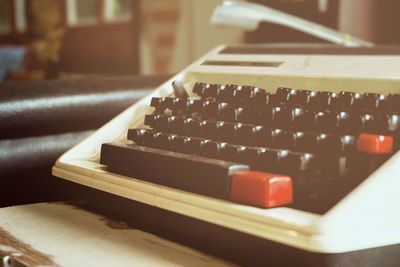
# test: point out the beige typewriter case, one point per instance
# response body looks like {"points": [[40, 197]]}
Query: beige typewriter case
{"points": [[367, 217]]}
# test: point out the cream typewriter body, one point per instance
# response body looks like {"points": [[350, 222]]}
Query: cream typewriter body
{"points": [[367, 217]]}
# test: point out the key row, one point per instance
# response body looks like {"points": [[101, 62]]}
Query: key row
{"points": [[316, 99], [343, 99], [340, 121], [235, 93], [258, 158], [254, 135]]}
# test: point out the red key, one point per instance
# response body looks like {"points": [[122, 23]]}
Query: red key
{"points": [[261, 189], [375, 144]]}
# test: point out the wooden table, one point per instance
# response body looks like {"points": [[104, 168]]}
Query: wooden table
{"points": [[61, 234]]}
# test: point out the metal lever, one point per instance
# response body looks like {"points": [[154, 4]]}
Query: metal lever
{"points": [[249, 15]]}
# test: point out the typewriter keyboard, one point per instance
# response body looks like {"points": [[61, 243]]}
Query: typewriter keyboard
{"points": [[300, 148]]}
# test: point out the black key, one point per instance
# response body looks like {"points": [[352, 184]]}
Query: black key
{"points": [[345, 99], [357, 101], [226, 112], [244, 134], [302, 119], [223, 148], [219, 126], [162, 123], [164, 141], [309, 163], [166, 103], [209, 129], [227, 132], [325, 97], [298, 97], [149, 139], [348, 143], [382, 101], [325, 121], [393, 102], [246, 114], [305, 142], [195, 145], [210, 90], [334, 100], [318, 99], [248, 155], [349, 99], [393, 123], [348, 122], [281, 116], [227, 92], [370, 101], [243, 93], [180, 144], [328, 144], [260, 97], [192, 173], [281, 139], [210, 149], [210, 109], [176, 125], [265, 115], [193, 127], [313, 100], [220, 92], [179, 104], [198, 88], [274, 100], [194, 106], [373, 101], [156, 102], [282, 93], [150, 120], [228, 152], [267, 160], [261, 136], [288, 162], [373, 123], [136, 135]]}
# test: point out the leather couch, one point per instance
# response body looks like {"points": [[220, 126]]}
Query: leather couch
{"points": [[40, 120]]}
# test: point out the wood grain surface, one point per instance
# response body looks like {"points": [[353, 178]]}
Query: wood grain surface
{"points": [[59, 234]]}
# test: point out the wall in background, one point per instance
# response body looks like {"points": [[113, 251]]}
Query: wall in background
{"points": [[359, 18], [186, 30]]}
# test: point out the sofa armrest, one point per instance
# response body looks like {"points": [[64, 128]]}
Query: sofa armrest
{"points": [[41, 120]]}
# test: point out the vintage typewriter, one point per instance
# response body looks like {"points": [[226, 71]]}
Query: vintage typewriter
{"points": [[295, 146]]}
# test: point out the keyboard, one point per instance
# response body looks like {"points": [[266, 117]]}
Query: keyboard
{"points": [[241, 143], [297, 149]]}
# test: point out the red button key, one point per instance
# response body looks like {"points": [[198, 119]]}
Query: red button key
{"points": [[375, 144], [266, 190]]}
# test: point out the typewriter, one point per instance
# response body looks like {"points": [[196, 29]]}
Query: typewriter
{"points": [[294, 146]]}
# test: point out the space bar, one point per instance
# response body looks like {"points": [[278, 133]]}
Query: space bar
{"points": [[192, 173]]}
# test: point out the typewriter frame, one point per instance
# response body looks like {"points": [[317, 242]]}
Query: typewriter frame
{"points": [[370, 208]]}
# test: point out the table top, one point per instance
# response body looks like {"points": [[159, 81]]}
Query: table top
{"points": [[61, 234]]}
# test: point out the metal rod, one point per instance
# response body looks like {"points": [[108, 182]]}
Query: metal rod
{"points": [[249, 15]]}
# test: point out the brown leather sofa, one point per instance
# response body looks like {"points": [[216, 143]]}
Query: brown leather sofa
{"points": [[41, 120]]}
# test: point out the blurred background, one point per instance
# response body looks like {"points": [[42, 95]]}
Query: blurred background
{"points": [[51, 39]]}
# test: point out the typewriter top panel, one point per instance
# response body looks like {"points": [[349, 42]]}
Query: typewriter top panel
{"points": [[271, 67]]}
